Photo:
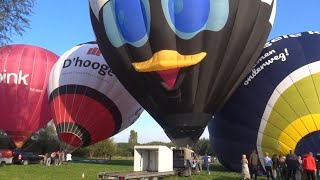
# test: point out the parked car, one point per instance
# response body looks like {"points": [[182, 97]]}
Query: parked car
{"points": [[24, 157], [6, 156]]}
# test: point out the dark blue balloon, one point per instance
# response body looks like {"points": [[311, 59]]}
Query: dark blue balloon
{"points": [[276, 108]]}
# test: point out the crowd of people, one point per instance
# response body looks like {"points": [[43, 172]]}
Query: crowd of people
{"points": [[199, 163], [282, 167], [57, 158]]}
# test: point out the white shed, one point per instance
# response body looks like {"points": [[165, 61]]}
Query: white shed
{"points": [[153, 158]]}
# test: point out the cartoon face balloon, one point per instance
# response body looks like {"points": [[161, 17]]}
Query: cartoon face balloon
{"points": [[181, 59], [88, 102], [276, 109], [24, 73]]}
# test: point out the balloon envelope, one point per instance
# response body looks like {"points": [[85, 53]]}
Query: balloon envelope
{"points": [[277, 107], [24, 73], [87, 101], [181, 59]]}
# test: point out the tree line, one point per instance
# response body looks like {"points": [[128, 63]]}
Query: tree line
{"points": [[46, 140]]}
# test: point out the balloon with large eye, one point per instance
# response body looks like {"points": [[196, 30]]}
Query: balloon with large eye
{"points": [[181, 59], [87, 101], [24, 74], [276, 109]]}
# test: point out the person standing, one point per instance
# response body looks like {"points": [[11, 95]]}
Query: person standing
{"points": [[245, 167], [199, 163], [299, 170], [318, 165], [53, 156], [69, 159], [206, 163], [61, 157], [48, 159], [283, 167], [275, 166], [253, 163], [268, 165], [292, 165], [309, 166], [56, 158]]}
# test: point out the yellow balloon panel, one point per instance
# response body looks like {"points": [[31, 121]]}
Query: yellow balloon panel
{"points": [[316, 118], [277, 120], [283, 148], [309, 123], [283, 108], [295, 101], [309, 94], [270, 142], [272, 130], [316, 83]]}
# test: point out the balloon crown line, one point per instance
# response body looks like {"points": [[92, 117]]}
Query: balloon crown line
{"points": [[269, 43]]}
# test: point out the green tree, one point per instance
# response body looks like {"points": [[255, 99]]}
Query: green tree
{"points": [[43, 141], [123, 149], [82, 152], [5, 141], [106, 149], [14, 18], [203, 146], [89, 151], [168, 144], [133, 140]]}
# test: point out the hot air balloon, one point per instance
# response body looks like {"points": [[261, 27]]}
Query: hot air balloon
{"points": [[24, 73], [87, 101], [277, 107], [181, 59]]}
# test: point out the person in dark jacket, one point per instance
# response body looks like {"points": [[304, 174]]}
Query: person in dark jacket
{"points": [[318, 165], [275, 166], [292, 162], [253, 164], [309, 166], [283, 167]]}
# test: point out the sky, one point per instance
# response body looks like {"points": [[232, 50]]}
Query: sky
{"points": [[59, 25]]}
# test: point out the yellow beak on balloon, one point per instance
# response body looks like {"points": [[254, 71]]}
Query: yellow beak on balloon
{"points": [[168, 59]]}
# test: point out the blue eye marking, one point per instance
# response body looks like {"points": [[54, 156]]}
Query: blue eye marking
{"points": [[189, 17], [127, 21]]}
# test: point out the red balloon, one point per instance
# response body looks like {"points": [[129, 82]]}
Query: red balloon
{"points": [[24, 106], [88, 103]]}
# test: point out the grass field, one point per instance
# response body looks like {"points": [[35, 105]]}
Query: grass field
{"points": [[75, 170]]}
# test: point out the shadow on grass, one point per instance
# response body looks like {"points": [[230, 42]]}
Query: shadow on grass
{"points": [[218, 167], [121, 162], [104, 161], [221, 173], [227, 178]]}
